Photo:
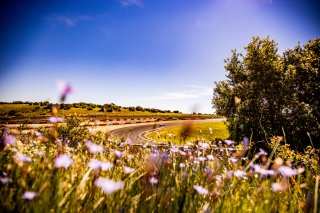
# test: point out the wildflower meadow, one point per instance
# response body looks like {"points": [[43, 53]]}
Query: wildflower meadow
{"points": [[41, 173], [182, 106]]}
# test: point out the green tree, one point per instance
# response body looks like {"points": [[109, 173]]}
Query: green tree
{"points": [[266, 93], [302, 109], [132, 109], [139, 108]]}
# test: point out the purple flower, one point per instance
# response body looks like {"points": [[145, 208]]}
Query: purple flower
{"points": [[54, 119], [184, 175], [288, 172], [96, 164], [10, 140], [210, 157], [108, 186], [129, 141], [7, 139], [91, 130], [245, 141], [204, 145], [37, 134], [190, 144], [39, 153], [70, 149], [29, 195], [63, 160], [14, 150], [182, 165], [128, 170], [200, 190], [118, 153], [105, 166], [185, 147], [239, 173], [153, 180], [202, 159], [260, 170], [154, 155], [261, 152], [229, 142], [174, 149], [233, 159], [278, 187], [5, 180], [64, 88], [219, 178], [182, 152], [23, 158], [196, 161], [94, 148]]}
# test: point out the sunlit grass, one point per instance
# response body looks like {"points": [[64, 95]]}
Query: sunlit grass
{"points": [[193, 132], [41, 173]]}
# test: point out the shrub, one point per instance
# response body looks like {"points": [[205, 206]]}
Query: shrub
{"points": [[72, 131], [37, 108], [13, 112]]}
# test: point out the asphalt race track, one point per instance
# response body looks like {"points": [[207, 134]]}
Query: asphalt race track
{"points": [[137, 133]]}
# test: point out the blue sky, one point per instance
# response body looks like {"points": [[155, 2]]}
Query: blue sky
{"points": [[164, 54]]}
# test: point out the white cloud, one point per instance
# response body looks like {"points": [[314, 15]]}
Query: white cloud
{"points": [[202, 90], [193, 92], [66, 20], [104, 31], [71, 21], [127, 3]]}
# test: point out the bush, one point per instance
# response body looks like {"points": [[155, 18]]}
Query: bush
{"points": [[49, 106], [13, 112], [37, 108], [72, 131]]}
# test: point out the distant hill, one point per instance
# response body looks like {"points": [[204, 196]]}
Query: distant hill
{"points": [[19, 111]]}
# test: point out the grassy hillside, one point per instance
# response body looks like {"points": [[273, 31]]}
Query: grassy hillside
{"points": [[37, 112]]}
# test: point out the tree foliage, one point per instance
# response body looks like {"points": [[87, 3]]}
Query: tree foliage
{"points": [[268, 94], [72, 132]]}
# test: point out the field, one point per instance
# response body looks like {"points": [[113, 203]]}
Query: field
{"points": [[191, 132], [42, 173], [27, 113], [219, 107]]}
